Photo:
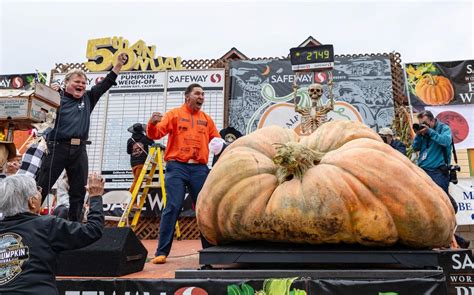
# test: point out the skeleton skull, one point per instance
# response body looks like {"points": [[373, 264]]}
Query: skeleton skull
{"points": [[315, 91]]}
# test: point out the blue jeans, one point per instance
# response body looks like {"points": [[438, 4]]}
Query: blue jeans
{"points": [[442, 180], [178, 176]]}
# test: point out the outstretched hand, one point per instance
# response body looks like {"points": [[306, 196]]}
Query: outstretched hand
{"points": [[95, 185], [55, 86], [122, 58], [156, 117]]}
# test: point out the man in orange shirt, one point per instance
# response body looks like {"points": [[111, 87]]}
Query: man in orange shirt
{"points": [[189, 132]]}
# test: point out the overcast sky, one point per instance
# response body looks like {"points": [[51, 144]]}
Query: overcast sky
{"points": [[38, 34]]}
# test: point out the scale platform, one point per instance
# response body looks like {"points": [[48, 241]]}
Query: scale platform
{"points": [[259, 260], [266, 253]]}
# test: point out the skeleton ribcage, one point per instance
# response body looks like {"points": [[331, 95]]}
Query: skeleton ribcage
{"points": [[309, 122]]}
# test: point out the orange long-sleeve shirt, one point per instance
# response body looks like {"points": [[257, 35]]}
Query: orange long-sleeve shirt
{"points": [[189, 134]]}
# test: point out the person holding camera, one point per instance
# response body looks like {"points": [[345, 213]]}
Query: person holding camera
{"points": [[433, 140], [387, 136]]}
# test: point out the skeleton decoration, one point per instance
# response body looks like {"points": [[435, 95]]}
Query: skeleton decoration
{"points": [[314, 116]]}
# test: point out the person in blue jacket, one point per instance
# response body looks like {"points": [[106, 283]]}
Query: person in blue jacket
{"points": [[433, 140]]}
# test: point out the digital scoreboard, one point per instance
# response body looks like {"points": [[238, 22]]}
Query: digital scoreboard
{"points": [[312, 58]]}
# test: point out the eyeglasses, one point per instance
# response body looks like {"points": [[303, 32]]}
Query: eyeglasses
{"points": [[39, 189]]}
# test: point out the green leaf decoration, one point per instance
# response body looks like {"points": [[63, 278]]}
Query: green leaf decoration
{"points": [[277, 286], [233, 290], [246, 289], [29, 79], [243, 289]]}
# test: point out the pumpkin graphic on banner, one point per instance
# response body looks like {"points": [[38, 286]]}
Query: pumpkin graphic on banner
{"points": [[427, 83], [460, 120]]}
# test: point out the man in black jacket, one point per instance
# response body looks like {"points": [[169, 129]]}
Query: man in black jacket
{"points": [[67, 141], [30, 243]]}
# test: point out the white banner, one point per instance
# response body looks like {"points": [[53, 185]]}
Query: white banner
{"points": [[463, 193], [132, 100], [125, 80], [460, 119]]}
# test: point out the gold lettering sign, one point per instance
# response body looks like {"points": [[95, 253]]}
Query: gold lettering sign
{"points": [[102, 55]]}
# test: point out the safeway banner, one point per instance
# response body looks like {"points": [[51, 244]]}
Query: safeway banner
{"points": [[262, 92], [21, 81], [440, 83]]}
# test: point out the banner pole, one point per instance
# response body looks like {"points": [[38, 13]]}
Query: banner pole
{"points": [[410, 107]]}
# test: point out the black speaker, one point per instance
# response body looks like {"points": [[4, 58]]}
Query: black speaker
{"points": [[117, 253]]}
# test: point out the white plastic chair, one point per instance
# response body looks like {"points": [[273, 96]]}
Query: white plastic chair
{"points": [[116, 197]]}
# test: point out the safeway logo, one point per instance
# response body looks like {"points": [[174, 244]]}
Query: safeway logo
{"points": [[216, 78], [320, 77], [190, 291], [17, 82]]}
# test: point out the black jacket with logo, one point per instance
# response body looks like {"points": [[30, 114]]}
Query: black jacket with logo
{"points": [[30, 244], [73, 117]]}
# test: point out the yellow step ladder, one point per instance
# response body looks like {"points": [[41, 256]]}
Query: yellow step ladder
{"points": [[153, 161]]}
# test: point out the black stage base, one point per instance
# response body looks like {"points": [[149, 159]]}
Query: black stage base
{"points": [[346, 255], [315, 274], [263, 260]]}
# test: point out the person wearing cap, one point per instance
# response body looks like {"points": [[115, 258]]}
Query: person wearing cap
{"points": [[190, 131], [387, 136], [137, 148]]}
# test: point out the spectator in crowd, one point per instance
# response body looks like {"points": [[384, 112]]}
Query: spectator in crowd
{"points": [[61, 207], [11, 166], [137, 148], [30, 244], [387, 136]]}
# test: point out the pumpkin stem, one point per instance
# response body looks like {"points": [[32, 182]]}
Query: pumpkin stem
{"points": [[293, 160], [430, 77]]}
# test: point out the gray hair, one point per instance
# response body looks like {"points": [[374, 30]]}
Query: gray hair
{"points": [[15, 191], [74, 72]]}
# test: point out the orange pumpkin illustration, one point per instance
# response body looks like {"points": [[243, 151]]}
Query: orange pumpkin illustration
{"points": [[434, 90]]}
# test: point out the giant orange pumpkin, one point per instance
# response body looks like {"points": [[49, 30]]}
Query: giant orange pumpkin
{"points": [[339, 184], [434, 90]]}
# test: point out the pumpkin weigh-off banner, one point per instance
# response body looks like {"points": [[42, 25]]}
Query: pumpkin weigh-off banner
{"points": [[440, 83]]}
